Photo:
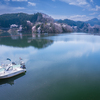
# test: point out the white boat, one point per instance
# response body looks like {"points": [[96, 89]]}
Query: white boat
{"points": [[12, 70]]}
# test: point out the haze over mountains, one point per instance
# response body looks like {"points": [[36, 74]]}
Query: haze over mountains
{"points": [[92, 22]]}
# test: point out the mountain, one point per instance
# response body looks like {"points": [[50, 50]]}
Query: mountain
{"points": [[79, 24], [21, 19], [40, 22], [93, 22], [16, 18], [90, 26], [67, 21]]}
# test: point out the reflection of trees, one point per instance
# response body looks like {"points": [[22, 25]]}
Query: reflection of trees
{"points": [[26, 41], [41, 43], [11, 80], [15, 34]]}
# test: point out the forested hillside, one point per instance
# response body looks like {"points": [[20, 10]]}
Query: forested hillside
{"points": [[21, 19]]}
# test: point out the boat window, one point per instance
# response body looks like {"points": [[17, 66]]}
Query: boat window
{"points": [[9, 68]]}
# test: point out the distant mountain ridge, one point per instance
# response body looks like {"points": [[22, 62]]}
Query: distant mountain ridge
{"points": [[40, 22], [20, 19], [72, 23], [93, 21]]}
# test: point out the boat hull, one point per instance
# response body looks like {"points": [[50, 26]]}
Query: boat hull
{"points": [[9, 75]]}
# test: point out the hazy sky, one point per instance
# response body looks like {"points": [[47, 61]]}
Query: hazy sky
{"points": [[58, 9]]}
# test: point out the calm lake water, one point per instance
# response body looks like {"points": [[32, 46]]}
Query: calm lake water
{"points": [[59, 67]]}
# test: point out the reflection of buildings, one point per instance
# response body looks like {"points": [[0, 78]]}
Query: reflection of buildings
{"points": [[11, 80]]}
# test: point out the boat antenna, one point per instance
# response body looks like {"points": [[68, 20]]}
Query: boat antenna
{"points": [[20, 58]]}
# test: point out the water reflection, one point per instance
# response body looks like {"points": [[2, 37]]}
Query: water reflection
{"points": [[33, 35], [11, 81], [18, 39], [67, 69], [16, 36]]}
